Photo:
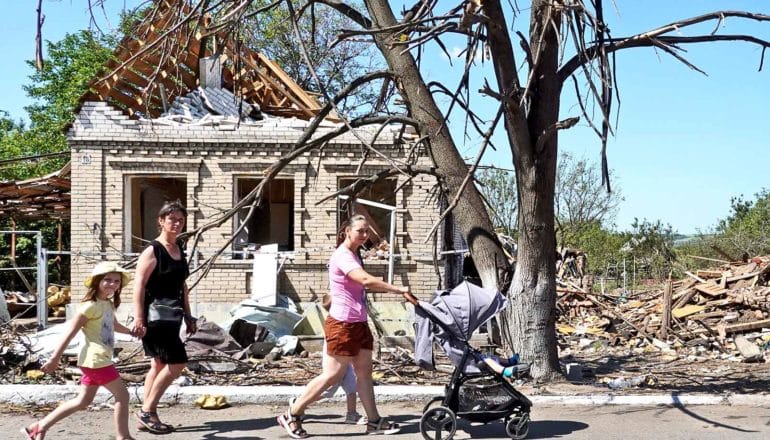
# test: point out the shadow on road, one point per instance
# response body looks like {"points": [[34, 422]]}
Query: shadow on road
{"points": [[537, 429], [228, 426], [697, 416]]}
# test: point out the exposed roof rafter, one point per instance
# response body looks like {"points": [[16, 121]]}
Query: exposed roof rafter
{"points": [[163, 49]]}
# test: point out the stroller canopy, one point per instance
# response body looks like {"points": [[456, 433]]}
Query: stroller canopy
{"points": [[451, 317]]}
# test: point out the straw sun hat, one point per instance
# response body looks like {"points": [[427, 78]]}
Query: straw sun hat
{"points": [[106, 267]]}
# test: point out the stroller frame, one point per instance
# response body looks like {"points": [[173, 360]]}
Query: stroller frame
{"points": [[439, 418]]}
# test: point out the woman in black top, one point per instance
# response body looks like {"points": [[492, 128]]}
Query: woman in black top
{"points": [[160, 274]]}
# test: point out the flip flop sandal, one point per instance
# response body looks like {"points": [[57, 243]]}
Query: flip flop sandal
{"points": [[146, 422], [285, 421], [382, 426], [31, 434]]}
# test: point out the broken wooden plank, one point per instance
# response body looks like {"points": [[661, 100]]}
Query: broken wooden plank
{"points": [[719, 302], [709, 259], [716, 314], [682, 312], [695, 277], [746, 326], [705, 274], [749, 275], [666, 313], [710, 289], [685, 298]]}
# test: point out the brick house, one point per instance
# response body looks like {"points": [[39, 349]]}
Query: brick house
{"points": [[136, 143]]}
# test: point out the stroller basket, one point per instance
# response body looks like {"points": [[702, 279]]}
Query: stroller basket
{"points": [[485, 394]]}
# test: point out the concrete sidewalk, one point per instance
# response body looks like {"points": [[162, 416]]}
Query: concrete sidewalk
{"points": [[278, 395]]}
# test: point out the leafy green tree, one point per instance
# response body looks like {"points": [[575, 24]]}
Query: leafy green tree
{"points": [[743, 233], [651, 245], [581, 200], [11, 145], [72, 62], [601, 245], [745, 230], [499, 189]]}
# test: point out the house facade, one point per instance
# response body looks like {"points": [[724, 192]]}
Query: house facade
{"points": [[123, 169]]}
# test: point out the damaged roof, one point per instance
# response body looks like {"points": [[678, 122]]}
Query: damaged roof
{"points": [[43, 197], [160, 61]]}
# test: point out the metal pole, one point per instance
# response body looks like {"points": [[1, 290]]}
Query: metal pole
{"points": [[392, 254], [195, 289], [624, 278], [42, 283]]}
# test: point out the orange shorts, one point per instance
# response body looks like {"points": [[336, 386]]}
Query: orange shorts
{"points": [[347, 338]]}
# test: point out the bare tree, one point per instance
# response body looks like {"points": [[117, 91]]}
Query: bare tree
{"points": [[528, 102]]}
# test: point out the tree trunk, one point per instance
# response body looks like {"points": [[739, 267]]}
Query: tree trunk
{"points": [[529, 321], [531, 315], [470, 213], [529, 324]]}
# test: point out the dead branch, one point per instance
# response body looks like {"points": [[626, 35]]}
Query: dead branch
{"points": [[469, 176], [39, 36], [646, 39], [551, 131]]}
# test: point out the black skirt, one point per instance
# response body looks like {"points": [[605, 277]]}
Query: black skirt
{"points": [[162, 342]]}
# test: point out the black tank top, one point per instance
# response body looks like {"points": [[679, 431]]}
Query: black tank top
{"points": [[167, 279]]}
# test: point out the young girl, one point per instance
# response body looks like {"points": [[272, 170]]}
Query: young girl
{"points": [[96, 318], [348, 383]]}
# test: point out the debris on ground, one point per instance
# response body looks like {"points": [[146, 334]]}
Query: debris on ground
{"points": [[708, 331], [720, 314], [16, 304]]}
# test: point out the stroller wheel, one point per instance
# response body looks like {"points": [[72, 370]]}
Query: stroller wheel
{"points": [[438, 423], [518, 427], [436, 401]]}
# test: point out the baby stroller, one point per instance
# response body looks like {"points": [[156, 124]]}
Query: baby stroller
{"points": [[475, 392]]}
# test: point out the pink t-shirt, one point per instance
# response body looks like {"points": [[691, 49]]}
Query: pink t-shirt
{"points": [[348, 303]]}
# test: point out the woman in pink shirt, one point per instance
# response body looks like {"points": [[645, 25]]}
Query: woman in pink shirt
{"points": [[348, 338]]}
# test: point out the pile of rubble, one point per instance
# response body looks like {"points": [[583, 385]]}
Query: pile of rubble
{"points": [[16, 304], [720, 313]]}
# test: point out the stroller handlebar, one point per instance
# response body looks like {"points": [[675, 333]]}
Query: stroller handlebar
{"points": [[411, 298]]}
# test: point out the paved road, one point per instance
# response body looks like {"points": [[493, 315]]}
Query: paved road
{"points": [[256, 422]]}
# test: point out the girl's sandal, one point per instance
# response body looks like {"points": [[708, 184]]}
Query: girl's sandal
{"points": [[382, 426], [146, 422], [32, 433], [286, 420]]}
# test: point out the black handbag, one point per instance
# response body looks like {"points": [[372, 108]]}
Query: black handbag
{"points": [[165, 311]]}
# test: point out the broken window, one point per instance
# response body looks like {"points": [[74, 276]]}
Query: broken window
{"points": [[144, 198], [272, 221], [383, 192]]}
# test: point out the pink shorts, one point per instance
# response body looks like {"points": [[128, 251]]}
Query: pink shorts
{"points": [[99, 376]]}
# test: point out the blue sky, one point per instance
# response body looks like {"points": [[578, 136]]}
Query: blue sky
{"points": [[685, 143]]}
